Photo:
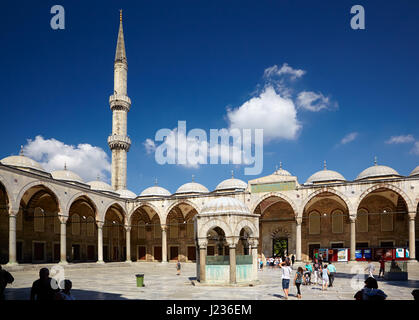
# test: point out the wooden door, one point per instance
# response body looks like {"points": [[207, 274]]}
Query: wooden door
{"points": [[141, 253], [157, 253], [191, 253], [174, 253]]}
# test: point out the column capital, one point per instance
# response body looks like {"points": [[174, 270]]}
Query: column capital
{"points": [[232, 241], [13, 211], [352, 218], [412, 215], [127, 228], [298, 220], [62, 217], [163, 227], [202, 243], [100, 224], [253, 242]]}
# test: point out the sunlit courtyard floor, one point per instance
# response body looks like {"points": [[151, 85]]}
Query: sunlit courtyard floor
{"points": [[117, 281]]}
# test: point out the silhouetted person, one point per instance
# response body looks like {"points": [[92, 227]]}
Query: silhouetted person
{"points": [[65, 294], [5, 279], [293, 259], [370, 291], [415, 294], [41, 288]]}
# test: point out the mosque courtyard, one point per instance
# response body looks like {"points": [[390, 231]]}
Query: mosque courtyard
{"points": [[117, 281]]}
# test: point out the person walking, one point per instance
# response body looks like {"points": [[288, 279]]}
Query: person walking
{"points": [[5, 279], [293, 259], [382, 267], [332, 272], [370, 268], [286, 276], [298, 280], [309, 271], [316, 271], [325, 277], [178, 266]]}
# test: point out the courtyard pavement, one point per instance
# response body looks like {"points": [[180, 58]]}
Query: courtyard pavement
{"points": [[117, 281]]}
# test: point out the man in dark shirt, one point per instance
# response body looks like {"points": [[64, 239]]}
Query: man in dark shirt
{"points": [[41, 288], [5, 278]]}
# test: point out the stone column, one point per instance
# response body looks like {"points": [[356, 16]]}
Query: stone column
{"points": [[298, 222], [164, 243], [232, 263], [100, 241], [353, 237], [412, 239], [12, 236], [63, 238], [128, 244], [254, 248], [202, 261]]}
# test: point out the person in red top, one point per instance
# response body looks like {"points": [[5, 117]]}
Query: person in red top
{"points": [[382, 266]]}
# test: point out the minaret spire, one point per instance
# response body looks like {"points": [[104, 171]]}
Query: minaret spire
{"points": [[120, 103]]}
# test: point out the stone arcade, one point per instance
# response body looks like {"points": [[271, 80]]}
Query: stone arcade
{"points": [[58, 217]]}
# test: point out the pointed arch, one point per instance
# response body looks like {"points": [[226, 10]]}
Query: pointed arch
{"points": [[178, 202], [46, 185], [337, 193], [277, 195], [202, 233], [144, 204], [81, 195], [247, 224]]}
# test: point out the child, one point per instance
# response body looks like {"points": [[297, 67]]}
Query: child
{"points": [[178, 268]]}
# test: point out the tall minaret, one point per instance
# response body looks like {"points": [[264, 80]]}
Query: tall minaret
{"points": [[120, 104]]}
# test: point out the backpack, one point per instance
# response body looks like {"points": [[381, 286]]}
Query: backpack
{"points": [[299, 278]]}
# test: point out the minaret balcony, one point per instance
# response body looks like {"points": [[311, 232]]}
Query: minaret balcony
{"points": [[117, 141], [118, 101]]}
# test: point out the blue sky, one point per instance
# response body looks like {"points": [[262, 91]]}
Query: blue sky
{"points": [[194, 60]]}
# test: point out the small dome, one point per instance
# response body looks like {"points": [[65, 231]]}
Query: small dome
{"points": [[100, 186], [377, 171], [126, 194], [225, 205], [192, 187], [66, 175], [155, 191], [282, 172], [415, 172], [22, 162], [231, 183], [325, 176]]}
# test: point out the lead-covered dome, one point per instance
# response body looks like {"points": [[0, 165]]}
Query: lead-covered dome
{"points": [[100, 186], [192, 187], [325, 176], [155, 191], [225, 205], [415, 172], [231, 184], [377, 171], [127, 194], [66, 175], [282, 172], [22, 162]]}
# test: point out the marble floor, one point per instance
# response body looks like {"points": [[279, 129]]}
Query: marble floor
{"points": [[118, 281]]}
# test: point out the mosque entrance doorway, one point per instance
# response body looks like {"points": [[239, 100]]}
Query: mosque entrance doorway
{"points": [[279, 247]]}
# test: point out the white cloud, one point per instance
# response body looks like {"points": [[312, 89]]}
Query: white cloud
{"points": [[313, 101], [415, 149], [276, 115], [85, 160], [349, 137], [284, 70], [401, 139]]}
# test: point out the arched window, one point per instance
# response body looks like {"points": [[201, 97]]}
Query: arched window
{"points": [[75, 224], [39, 220], [386, 220], [141, 230], [362, 221], [337, 222], [90, 226], [190, 229], [173, 229], [314, 223], [157, 230]]}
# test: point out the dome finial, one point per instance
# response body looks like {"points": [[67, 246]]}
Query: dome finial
{"points": [[98, 177], [193, 178], [21, 150], [375, 160], [120, 15], [324, 165], [65, 165], [232, 174], [280, 165], [155, 182]]}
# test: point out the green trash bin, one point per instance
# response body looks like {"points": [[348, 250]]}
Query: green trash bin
{"points": [[140, 279]]}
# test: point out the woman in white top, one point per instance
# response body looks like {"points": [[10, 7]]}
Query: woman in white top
{"points": [[286, 276]]}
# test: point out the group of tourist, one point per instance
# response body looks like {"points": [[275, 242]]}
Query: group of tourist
{"points": [[274, 262]]}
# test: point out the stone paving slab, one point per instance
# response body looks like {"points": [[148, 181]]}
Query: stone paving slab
{"points": [[117, 282]]}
